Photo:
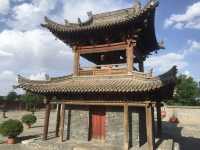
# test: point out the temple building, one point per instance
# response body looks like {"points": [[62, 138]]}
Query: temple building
{"points": [[112, 102]]}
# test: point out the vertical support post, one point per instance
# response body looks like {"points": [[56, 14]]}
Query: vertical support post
{"points": [[141, 66], [126, 127], [149, 127], [58, 120], [76, 61], [129, 55], [46, 119], [159, 120], [62, 122]]}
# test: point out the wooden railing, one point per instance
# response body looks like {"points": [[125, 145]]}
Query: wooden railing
{"points": [[111, 70], [102, 72], [142, 74]]}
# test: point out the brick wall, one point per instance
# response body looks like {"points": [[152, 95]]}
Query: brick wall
{"points": [[77, 125]]}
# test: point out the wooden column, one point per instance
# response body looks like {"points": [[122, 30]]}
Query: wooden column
{"points": [[58, 120], [129, 55], [150, 127], [159, 120], [126, 127], [46, 119], [141, 66], [62, 122], [76, 61]]}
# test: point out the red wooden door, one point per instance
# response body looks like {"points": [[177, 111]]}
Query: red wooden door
{"points": [[98, 124]]}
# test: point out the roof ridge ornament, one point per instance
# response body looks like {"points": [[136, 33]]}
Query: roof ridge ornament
{"points": [[89, 13], [79, 21], [66, 21], [137, 5], [87, 22]]}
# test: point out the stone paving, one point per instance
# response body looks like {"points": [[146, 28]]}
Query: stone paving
{"points": [[183, 136]]}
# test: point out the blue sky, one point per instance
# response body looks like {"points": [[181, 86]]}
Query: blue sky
{"points": [[28, 49], [181, 40]]}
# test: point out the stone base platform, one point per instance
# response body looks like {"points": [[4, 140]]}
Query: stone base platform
{"points": [[55, 144]]}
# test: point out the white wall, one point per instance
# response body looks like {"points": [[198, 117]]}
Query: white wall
{"points": [[185, 114]]}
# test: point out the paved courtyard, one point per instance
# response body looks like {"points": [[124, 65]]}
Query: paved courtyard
{"points": [[187, 135]]}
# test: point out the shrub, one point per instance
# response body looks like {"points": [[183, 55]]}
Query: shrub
{"points": [[11, 128], [29, 119]]}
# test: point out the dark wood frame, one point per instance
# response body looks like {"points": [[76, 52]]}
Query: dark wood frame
{"points": [[149, 109], [128, 45]]}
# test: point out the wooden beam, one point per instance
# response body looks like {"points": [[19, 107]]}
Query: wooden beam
{"points": [[76, 61], [102, 48], [46, 120], [159, 120], [141, 66], [126, 127], [62, 122], [101, 103], [101, 45], [129, 55], [149, 128], [58, 120]]}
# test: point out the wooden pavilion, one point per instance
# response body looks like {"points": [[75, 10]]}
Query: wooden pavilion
{"points": [[114, 101]]}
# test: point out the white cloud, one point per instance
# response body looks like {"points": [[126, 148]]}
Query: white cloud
{"points": [[26, 16], [187, 73], [17, 1], [190, 19], [6, 74], [7, 80], [4, 6], [3, 54], [38, 76], [29, 50], [194, 46], [164, 62], [73, 9], [33, 51], [29, 15]]}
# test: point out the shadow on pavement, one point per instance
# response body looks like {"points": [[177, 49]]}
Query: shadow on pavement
{"points": [[172, 131]]}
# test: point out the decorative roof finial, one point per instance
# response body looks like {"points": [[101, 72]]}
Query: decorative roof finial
{"points": [[137, 5], [89, 13], [161, 44], [47, 77], [135, 2], [66, 21], [79, 21]]}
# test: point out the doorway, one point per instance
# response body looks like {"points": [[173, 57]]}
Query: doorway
{"points": [[97, 120]]}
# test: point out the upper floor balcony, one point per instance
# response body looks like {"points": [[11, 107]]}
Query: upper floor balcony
{"points": [[112, 69]]}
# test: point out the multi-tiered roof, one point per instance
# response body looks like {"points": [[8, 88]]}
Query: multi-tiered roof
{"points": [[108, 34]]}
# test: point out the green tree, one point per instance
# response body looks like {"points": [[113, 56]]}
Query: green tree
{"points": [[186, 91], [31, 101], [1, 98], [3, 106], [12, 96]]}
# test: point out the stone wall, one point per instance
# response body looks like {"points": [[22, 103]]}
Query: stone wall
{"points": [[77, 123], [137, 126], [115, 129], [114, 126]]}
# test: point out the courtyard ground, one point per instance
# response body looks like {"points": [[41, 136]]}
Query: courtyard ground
{"points": [[186, 134]]}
